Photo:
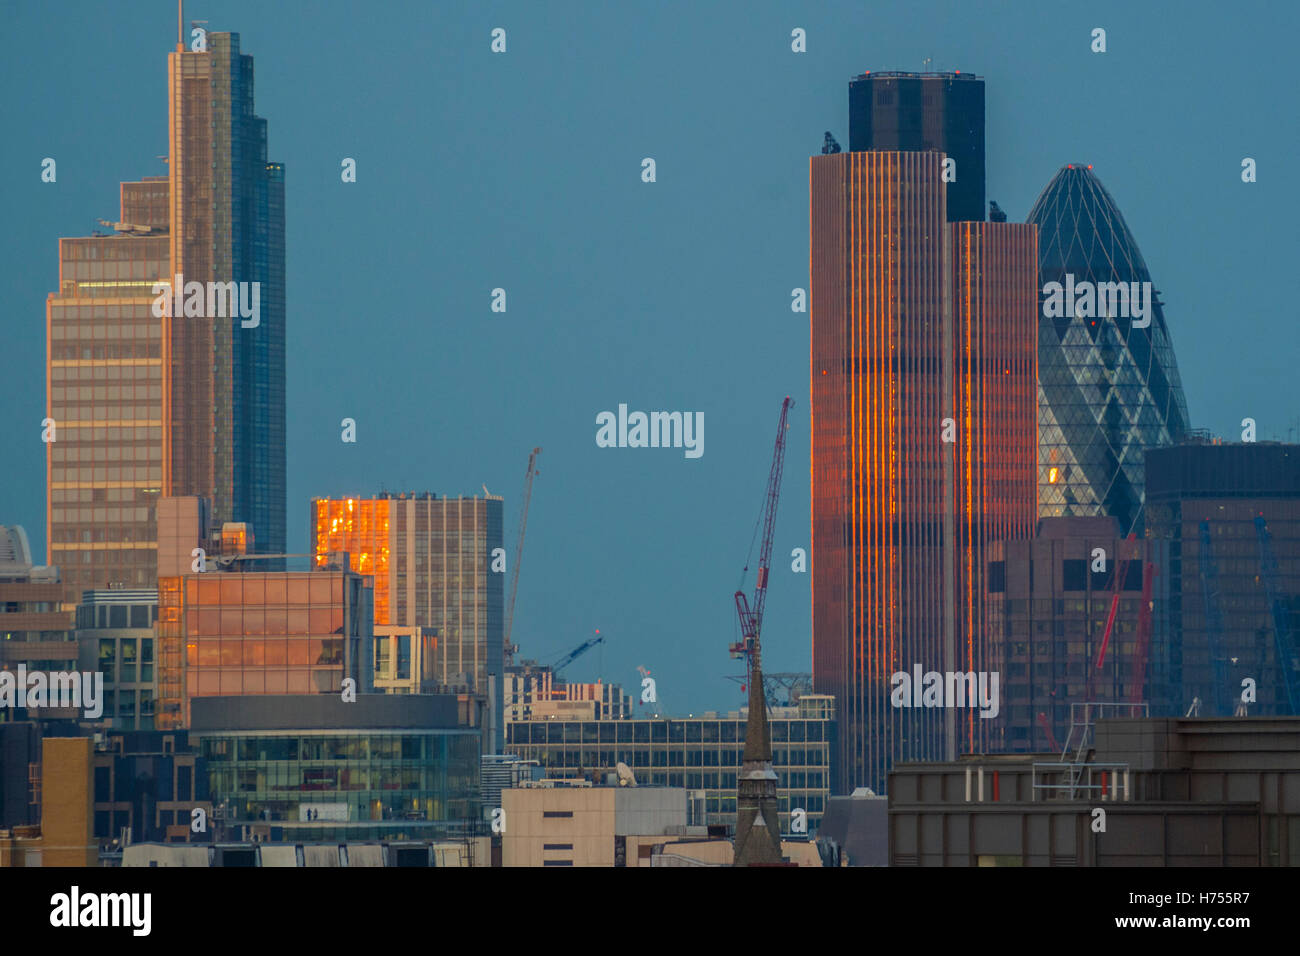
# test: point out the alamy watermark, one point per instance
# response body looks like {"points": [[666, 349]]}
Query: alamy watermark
{"points": [[32, 689], [653, 430], [1087, 300], [74, 909], [946, 689], [213, 300]]}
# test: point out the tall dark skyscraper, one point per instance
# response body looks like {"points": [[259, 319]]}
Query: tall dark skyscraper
{"points": [[1227, 520], [923, 443], [915, 111], [1108, 388], [225, 375]]}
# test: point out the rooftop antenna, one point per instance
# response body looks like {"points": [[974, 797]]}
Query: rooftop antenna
{"points": [[180, 26]]}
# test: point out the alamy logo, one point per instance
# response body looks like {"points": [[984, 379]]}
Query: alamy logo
{"points": [[84, 691], [212, 300], [1087, 300], [656, 430], [102, 909], [947, 689]]}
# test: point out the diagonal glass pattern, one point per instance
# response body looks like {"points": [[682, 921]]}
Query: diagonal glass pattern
{"points": [[1107, 390]]}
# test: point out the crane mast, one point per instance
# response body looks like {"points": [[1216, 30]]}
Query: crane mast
{"points": [[751, 614], [519, 554]]}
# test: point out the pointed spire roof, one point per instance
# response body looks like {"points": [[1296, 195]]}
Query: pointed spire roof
{"points": [[758, 738]]}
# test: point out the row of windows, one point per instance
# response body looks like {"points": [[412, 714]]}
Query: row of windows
{"points": [[726, 757], [361, 747], [105, 373], [658, 731], [115, 434]]}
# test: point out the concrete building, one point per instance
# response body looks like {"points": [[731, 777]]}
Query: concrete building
{"points": [[314, 768], [696, 753], [472, 851], [855, 830], [586, 825], [1174, 792], [34, 629], [115, 634], [146, 786], [1049, 600], [532, 691]]}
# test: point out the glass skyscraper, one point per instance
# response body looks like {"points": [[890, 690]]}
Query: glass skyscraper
{"points": [[147, 405], [226, 434], [431, 561], [1108, 389], [923, 443]]}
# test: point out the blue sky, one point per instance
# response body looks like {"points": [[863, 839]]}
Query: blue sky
{"points": [[522, 171]]}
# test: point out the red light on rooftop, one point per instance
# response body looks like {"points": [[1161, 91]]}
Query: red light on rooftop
{"points": [[1090, 165]]}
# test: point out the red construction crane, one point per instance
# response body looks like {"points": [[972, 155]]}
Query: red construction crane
{"points": [[1120, 566], [751, 616], [1143, 646]]}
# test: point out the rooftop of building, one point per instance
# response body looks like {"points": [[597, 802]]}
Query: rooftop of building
{"points": [[412, 713], [907, 74]]}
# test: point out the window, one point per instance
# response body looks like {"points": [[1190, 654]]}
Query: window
{"points": [[551, 814], [557, 846], [1074, 573]]}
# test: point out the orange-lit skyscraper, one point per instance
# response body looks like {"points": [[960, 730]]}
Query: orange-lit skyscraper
{"points": [[143, 404], [923, 395], [432, 560], [104, 394], [225, 439]]}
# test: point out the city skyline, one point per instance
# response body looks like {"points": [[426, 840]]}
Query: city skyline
{"points": [[663, 530]]}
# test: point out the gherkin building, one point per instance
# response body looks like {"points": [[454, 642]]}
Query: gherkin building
{"points": [[1108, 388]]}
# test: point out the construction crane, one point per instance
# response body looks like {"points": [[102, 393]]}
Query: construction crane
{"points": [[1142, 648], [1120, 572], [574, 654], [751, 616], [519, 554], [1213, 623], [1288, 654], [1046, 726]]}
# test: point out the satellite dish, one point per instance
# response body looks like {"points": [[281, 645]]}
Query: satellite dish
{"points": [[625, 776]]}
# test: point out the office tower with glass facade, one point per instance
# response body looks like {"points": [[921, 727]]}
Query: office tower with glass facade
{"points": [[1229, 516], [225, 436], [918, 111], [249, 632], [431, 561], [923, 443], [317, 769], [104, 396], [115, 631], [142, 404], [1108, 385]]}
